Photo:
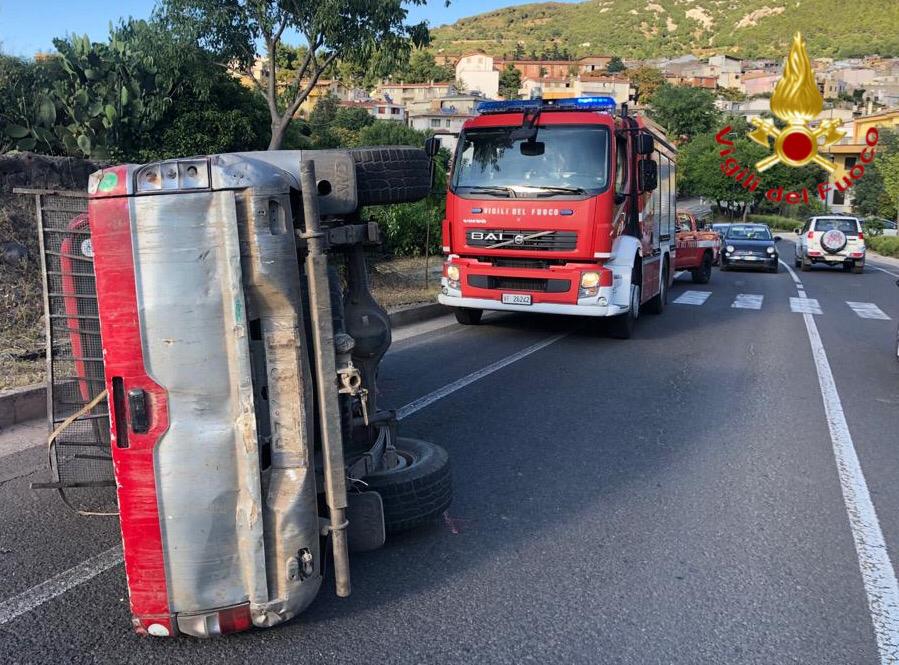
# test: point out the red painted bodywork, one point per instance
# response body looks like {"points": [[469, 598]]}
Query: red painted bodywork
{"points": [[692, 244], [133, 465]]}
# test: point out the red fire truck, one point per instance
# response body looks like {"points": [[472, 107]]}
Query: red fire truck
{"points": [[560, 207]]}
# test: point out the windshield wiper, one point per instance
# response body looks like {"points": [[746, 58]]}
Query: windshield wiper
{"points": [[561, 190], [497, 190]]}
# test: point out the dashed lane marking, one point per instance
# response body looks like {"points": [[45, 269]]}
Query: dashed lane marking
{"points": [[692, 298], [748, 301], [868, 310]]}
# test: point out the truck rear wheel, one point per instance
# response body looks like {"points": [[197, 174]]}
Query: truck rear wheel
{"points": [[703, 273], [419, 490], [467, 316], [391, 174]]}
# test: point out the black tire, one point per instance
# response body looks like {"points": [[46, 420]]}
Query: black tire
{"points": [[858, 268], [467, 316], [391, 174], [658, 302], [797, 262], [622, 326], [703, 273], [417, 493], [805, 265]]}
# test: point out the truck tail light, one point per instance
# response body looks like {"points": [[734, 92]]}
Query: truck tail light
{"points": [[221, 622], [861, 235], [811, 235]]}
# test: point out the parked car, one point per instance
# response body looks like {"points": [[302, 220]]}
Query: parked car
{"points": [[882, 225], [750, 246], [831, 240]]}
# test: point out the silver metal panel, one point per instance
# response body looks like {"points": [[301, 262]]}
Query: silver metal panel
{"points": [[194, 334]]}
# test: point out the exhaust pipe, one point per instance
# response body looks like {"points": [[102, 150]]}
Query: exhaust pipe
{"points": [[326, 377]]}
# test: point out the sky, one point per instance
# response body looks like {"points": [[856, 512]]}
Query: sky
{"points": [[28, 26]]}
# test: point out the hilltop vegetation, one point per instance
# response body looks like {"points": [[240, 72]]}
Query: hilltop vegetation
{"points": [[652, 28]]}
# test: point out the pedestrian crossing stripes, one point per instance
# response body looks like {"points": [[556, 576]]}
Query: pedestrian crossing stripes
{"points": [[805, 306], [693, 298], [868, 310], [748, 301]]}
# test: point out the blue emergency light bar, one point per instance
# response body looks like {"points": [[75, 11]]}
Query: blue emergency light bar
{"points": [[570, 104]]}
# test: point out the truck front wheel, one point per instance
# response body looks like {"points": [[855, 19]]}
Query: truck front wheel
{"points": [[418, 490], [703, 273], [622, 326], [467, 316]]}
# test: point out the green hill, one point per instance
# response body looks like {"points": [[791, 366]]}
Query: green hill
{"points": [[652, 28]]}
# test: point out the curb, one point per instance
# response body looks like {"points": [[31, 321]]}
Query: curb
{"points": [[417, 314], [18, 405]]}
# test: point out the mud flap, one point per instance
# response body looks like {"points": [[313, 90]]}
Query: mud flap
{"points": [[365, 514]]}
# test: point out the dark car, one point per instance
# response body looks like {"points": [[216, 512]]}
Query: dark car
{"points": [[749, 246]]}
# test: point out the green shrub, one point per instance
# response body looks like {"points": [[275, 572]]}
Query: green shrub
{"points": [[406, 226], [886, 245], [775, 222]]}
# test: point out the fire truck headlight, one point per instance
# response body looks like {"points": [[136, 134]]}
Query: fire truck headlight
{"points": [[452, 273], [729, 249], [173, 175], [589, 280]]}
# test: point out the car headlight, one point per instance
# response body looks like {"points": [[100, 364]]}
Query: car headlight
{"points": [[729, 249], [452, 272], [770, 250], [589, 280]]}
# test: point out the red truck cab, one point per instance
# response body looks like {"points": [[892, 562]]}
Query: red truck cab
{"points": [[559, 207]]}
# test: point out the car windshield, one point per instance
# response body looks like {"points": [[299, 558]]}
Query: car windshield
{"points": [[746, 232], [847, 225], [563, 160], [720, 228]]}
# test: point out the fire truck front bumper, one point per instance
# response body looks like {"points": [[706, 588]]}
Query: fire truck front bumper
{"points": [[585, 306]]}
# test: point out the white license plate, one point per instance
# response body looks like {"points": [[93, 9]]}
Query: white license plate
{"points": [[751, 258], [516, 299]]}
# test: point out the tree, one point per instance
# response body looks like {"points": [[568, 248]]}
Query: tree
{"points": [[509, 82], [685, 112], [362, 31], [876, 194], [422, 68], [615, 65], [645, 81], [388, 132]]}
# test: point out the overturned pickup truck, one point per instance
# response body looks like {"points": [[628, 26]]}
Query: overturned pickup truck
{"points": [[240, 353]]}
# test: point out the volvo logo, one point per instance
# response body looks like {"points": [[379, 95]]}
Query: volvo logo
{"points": [[518, 239]]}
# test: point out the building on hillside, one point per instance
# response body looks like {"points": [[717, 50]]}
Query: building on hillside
{"points": [[413, 96], [855, 77], [458, 103], [593, 64], [618, 87], [847, 152], [333, 87], [535, 69], [728, 71], [830, 87], [759, 82], [379, 109], [476, 72], [707, 82], [445, 125], [547, 87]]}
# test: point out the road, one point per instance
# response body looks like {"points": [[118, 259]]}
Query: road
{"points": [[673, 498]]}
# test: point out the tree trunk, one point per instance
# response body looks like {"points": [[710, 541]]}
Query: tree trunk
{"points": [[279, 129]]}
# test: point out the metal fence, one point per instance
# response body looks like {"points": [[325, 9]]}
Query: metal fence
{"points": [[80, 455]]}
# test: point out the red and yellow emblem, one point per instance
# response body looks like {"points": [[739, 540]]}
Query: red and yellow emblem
{"points": [[796, 101]]}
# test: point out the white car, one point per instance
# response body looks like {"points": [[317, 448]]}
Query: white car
{"points": [[832, 240]]}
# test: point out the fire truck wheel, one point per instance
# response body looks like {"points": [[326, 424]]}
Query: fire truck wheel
{"points": [[657, 304], [419, 490], [622, 326], [703, 273], [391, 174], [467, 316]]}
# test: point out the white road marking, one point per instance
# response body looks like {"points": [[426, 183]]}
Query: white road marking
{"points": [[692, 298], [679, 274], [868, 310], [888, 272], [877, 571], [805, 305], [440, 393], [59, 584], [748, 301]]}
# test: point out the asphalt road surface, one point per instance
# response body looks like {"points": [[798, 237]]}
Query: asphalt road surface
{"points": [[719, 489]]}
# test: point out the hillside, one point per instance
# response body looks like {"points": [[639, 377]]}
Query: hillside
{"points": [[652, 28]]}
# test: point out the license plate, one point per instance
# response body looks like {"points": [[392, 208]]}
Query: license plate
{"points": [[750, 258], [516, 299]]}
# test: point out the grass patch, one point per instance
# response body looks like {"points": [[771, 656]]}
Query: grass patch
{"points": [[886, 245]]}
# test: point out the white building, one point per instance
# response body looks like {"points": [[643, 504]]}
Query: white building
{"points": [[444, 125], [477, 74]]}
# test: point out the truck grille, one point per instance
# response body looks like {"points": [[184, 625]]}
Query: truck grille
{"points": [[519, 283], [552, 241]]}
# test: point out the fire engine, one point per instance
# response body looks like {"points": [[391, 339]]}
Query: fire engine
{"points": [[560, 206]]}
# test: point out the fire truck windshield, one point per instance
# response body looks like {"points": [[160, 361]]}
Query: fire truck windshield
{"points": [[561, 161]]}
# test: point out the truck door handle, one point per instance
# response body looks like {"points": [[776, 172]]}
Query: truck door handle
{"points": [[137, 409]]}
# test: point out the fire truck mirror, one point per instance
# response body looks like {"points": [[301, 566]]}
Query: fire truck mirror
{"points": [[649, 175], [644, 145], [533, 148], [432, 146]]}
